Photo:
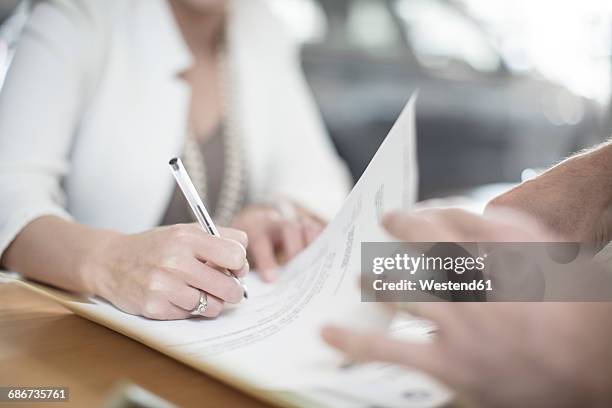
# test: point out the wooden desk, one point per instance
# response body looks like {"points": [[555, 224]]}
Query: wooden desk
{"points": [[43, 344]]}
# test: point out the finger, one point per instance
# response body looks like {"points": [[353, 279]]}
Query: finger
{"points": [[521, 226], [159, 289], [414, 228], [236, 235], [174, 312], [312, 229], [242, 272], [188, 298], [470, 227], [182, 295], [456, 225], [292, 238], [264, 260], [162, 309], [451, 319], [211, 280], [223, 252], [368, 347], [215, 306]]}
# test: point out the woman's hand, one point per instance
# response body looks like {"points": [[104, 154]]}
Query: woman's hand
{"points": [[159, 273], [276, 234]]}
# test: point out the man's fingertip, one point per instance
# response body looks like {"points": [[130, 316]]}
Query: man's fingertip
{"points": [[329, 334], [326, 331], [391, 218]]}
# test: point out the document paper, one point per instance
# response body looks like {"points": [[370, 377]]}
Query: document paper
{"points": [[272, 341]]}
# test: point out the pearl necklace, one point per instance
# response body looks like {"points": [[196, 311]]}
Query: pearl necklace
{"points": [[232, 195]]}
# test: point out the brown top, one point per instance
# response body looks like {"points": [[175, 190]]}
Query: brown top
{"points": [[212, 148]]}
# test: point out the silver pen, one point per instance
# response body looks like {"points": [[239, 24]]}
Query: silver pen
{"points": [[197, 206]]}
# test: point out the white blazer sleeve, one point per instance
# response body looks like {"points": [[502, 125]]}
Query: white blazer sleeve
{"points": [[39, 109], [307, 167]]}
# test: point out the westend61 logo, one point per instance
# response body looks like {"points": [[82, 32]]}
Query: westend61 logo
{"points": [[399, 272], [483, 271], [425, 263]]}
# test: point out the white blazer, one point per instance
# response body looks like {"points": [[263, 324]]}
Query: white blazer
{"points": [[92, 110]]}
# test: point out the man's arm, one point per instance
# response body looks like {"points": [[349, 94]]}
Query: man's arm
{"points": [[572, 198]]}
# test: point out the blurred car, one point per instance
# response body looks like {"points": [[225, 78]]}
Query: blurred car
{"points": [[6, 8], [478, 122]]}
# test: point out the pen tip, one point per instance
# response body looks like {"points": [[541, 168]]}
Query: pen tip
{"points": [[174, 163]]}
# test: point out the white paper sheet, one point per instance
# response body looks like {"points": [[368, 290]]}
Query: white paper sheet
{"points": [[272, 340]]}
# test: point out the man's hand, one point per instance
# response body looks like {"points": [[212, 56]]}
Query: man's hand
{"points": [[572, 199], [456, 225], [505, 354], [498, 354]]}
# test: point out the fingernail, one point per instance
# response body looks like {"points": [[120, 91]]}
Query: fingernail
{"points": [[244, 270], [268, 275]]}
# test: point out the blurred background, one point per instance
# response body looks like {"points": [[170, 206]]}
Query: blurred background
{"points": [[506, 88]]}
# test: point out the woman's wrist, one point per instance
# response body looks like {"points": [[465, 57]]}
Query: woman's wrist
{"points": [[92, 266]]}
